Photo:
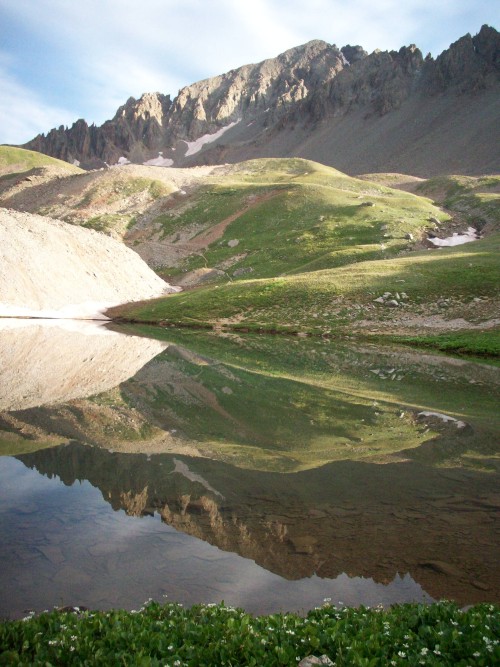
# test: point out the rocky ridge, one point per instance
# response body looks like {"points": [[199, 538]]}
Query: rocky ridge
{"points": [[141, 127], [274, 108]]}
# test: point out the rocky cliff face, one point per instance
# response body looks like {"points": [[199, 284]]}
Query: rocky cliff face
{"points": [[141, 127], [136, 126], [313, 83], [268, 87]]}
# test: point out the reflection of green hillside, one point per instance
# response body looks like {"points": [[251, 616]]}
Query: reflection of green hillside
{"points": [[264, 420], [15, 445], [288, 404], [306, 402]]}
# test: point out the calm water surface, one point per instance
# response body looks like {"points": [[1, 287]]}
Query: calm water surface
{"points": [[270, 473]]}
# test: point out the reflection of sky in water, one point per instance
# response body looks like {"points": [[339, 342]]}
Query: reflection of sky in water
{"points": [[65, 545]]}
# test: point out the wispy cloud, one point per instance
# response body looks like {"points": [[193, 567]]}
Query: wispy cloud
{"points": [[88, 58], [24, 114]]}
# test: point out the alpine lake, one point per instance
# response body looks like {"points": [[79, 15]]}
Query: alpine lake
{"points": [[270, 472]]}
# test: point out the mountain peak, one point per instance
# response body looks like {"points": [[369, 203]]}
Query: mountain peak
{"points": [[316, 82]]}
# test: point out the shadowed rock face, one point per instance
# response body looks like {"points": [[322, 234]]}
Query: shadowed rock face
{"points": [[310, 84], [52, 269]]}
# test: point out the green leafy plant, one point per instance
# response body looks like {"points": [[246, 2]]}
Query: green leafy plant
{"points": [[169, 634]]}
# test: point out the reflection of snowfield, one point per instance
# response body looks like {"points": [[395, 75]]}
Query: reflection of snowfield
{"points": [[182, 469], [457, 239], [195, 146], [445, 418]]}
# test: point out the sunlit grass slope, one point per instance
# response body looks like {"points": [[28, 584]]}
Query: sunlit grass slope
{"points": [[293, 215], [19, 160], [323, 300], [308, 248]]}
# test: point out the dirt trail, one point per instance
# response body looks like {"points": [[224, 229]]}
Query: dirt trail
{"points": [[208, 237]]}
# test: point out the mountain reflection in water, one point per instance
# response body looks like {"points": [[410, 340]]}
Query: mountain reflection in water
{"points": [[308, 466]]}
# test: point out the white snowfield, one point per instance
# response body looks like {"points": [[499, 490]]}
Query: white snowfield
{"points": [[52, 269], [445, 418], [159, 161], [196, 146], [457, 239]]}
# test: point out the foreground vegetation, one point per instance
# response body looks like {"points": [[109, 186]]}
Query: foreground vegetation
{"points": [[411, 634]]}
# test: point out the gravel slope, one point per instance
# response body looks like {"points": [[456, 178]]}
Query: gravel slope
{"points": [[49, 268]]}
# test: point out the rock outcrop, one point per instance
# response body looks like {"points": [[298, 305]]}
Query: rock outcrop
{"points": [[136, 127], [52, 269], [239, 114]]}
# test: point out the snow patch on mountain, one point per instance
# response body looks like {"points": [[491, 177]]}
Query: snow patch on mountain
{"points": [[159, 161], [196, 146]]}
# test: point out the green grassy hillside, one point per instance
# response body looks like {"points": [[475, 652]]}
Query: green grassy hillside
{"points": [[450, 282], [18, 160], [476, 199], [309, 249], [290, 244], [290, 216]]}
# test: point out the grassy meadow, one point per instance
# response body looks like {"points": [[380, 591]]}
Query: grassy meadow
{"points": [[15, 161], [309, 249]]}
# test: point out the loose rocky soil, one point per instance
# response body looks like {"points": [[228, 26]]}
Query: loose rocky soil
{"points": [[51, 269]]}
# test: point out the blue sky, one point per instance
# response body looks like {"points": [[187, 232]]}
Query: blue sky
{"points": [[61, 60]]}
